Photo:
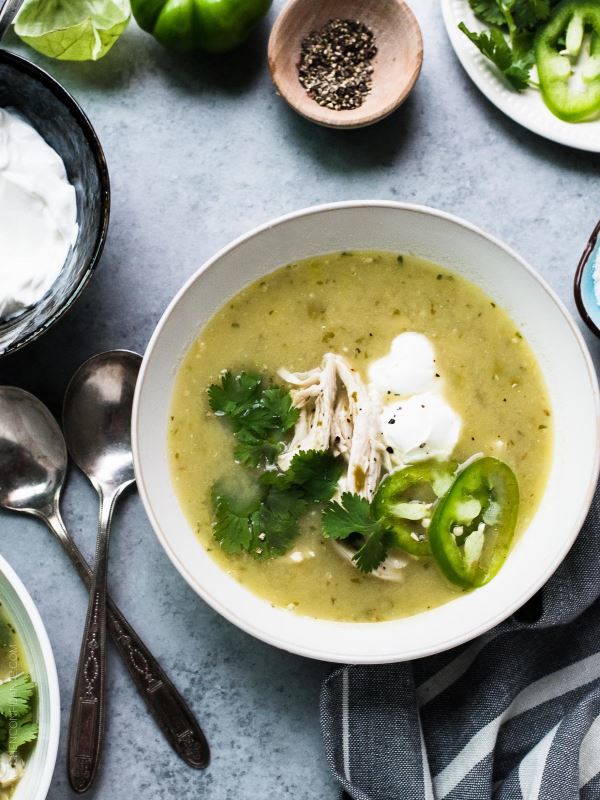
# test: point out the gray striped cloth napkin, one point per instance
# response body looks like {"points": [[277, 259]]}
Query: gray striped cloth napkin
{"points": [[514, 715]]}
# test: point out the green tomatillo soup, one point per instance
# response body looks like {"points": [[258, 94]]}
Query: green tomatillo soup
{"points": [[18, 713], [360, 436]]}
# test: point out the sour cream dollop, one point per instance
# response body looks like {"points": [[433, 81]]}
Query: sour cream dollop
{"points": [[409, 367], [416, 421], [420, 427], [38, 215]]}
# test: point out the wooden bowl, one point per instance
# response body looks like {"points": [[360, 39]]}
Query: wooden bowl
{"points": [[396, 66]]}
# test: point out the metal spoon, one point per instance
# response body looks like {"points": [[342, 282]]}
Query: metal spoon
{"points": [[97, 425], [33, 465], [8, 11]]}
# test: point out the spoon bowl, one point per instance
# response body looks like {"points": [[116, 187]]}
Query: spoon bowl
{"points": [[396, 66], [33, 455], [98, 433]]}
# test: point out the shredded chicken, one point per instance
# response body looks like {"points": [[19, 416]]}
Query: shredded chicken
{"points": [[11, 769], [337, 411], [390, 568]]}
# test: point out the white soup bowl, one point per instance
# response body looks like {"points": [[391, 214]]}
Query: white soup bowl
{"points": [[538, 313]]}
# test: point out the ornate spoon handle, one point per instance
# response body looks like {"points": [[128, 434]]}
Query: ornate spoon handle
{"points": [[165, 703], [87, 708]]}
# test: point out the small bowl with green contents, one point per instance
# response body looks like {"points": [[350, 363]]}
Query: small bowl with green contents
{"points": [[29, 695], [345, 64]]}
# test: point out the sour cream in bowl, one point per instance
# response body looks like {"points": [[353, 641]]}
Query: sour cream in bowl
{"points": [[38, 215], [54, 201]]}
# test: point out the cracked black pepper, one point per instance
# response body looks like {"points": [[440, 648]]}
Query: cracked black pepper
{"points": [[336, 64]]}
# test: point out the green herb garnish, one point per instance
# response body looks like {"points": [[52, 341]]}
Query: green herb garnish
{"points": [[22, 731], [265, 523], [17, 726], [15, 696], [494, 46], [488, 11], [354, 515], [259, 415], [510, 42]]}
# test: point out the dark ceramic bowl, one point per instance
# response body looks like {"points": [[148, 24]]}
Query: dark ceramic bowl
{"points": [[58, 118], [587, 294]]}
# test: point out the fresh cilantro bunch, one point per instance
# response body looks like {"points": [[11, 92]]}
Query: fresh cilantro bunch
{"points": [[266, 523], [17, 726], [509, 44], [354, 516], [260, 416]]}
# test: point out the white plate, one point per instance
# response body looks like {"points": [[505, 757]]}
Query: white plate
{"points": [[535, 309], [527, 108]]}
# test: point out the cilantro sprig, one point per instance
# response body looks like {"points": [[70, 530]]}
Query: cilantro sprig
{"points": [[354, 515], [260, 415], [266, 522], [494, 46], [17, 726], [509, 44], [513, 14], [24, 731], [15, 696]]}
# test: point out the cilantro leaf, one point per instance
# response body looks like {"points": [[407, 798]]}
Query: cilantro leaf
{"points": [[235, 393], [354, 515], [21, 732], [260, 415], [374, 550], [351, 515], [494, 46], [231, 526], [488, 11], [529, 13], [15, 696], [275, 529], [274, 410], [317, 472], [253, 451]]}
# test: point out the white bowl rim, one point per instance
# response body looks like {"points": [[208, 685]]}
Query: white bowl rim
{"points": [[360, 658], [43, 785]]}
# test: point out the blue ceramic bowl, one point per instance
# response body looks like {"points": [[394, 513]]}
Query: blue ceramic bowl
{"points": [[587, 283], [59, 119]]}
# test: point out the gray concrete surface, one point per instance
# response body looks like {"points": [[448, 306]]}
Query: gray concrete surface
{"points": [[199, 151]]}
